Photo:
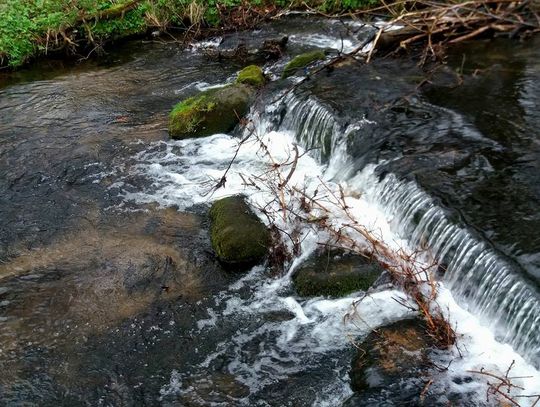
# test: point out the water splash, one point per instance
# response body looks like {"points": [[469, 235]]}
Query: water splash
{"points": [[481, 278], [399, 210]]}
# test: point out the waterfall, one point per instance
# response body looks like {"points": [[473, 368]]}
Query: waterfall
{"points": [[483, 280], [315, 126]]}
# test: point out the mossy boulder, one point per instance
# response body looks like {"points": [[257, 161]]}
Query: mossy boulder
{"points": [[335, 274], [238, 237], [395, 353], [210, 112], [251, 75], [302, 61]]}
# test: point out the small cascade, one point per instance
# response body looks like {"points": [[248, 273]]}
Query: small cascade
{"points": [[317, 129], [481, 278], [272, 335], [314, 125]]}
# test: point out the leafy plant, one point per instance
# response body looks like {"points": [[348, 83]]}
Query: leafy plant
{"points": [[32, 27]]}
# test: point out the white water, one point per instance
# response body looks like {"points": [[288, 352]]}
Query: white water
{"points": [[483, 297], [183, 173], [482, 279]]}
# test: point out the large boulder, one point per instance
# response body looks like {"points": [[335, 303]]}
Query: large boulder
{"points": [[238, 237], [302, 61], [210, 112], [397, 353], [335, 273], [251, 75]]}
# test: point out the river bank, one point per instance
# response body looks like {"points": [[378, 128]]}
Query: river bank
{"points": [[80, 29], [84, 29]]}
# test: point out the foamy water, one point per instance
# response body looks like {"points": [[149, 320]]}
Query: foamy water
{"points": [[184, 172]]}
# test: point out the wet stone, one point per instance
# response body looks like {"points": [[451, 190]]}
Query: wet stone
{"points": [[216, 388], [279, 316], [251, 75], [335, 274], [238, 237], [393, 358], [210, 112]]}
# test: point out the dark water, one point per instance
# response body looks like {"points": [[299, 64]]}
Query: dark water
{"points": [[95, 301], [100, 296], [500, 99]]}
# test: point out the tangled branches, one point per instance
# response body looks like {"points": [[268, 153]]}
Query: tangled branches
{"points": [[296, 206], [435, 24], [501, 386]]}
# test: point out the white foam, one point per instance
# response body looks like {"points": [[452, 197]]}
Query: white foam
{"points": [[183, 174], [324, 41]]}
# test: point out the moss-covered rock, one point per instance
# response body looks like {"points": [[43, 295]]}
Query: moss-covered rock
{"points": [[238, 237], [335, 274], [212, 111], [391, 354], [301, 61], [251, 75]]}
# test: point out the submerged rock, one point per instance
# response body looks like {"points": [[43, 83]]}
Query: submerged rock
{"points": [[213, 388], [396, 353], [273, 48], [251, 75], [212, 111], [334, 273], [302, 61], [247, 52], [238, 237]]}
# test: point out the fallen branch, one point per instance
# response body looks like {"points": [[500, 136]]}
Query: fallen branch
{"points": [[504, 386]]}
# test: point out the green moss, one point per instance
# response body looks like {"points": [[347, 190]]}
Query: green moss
{"points": [[302, 61], [332, 285], [212, 111], [251, 75], [188, 114], [334, 275], [238, 236]]}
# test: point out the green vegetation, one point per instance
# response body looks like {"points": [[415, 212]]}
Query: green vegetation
{"points": [[251, 75], [187, 115], [346, 5], [335, 274], [212, 111], [238, 236], [29, 28], [301, 61]]}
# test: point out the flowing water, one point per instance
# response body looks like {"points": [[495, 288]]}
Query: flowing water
{"points": [[109, 294]]}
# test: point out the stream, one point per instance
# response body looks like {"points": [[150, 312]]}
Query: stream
{"points": [[110, 294]]}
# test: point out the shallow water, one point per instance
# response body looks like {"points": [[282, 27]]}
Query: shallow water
{"points": [[110, 295]]}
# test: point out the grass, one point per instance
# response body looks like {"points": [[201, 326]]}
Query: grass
{"points": [[32, 27], [29, 28]]}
